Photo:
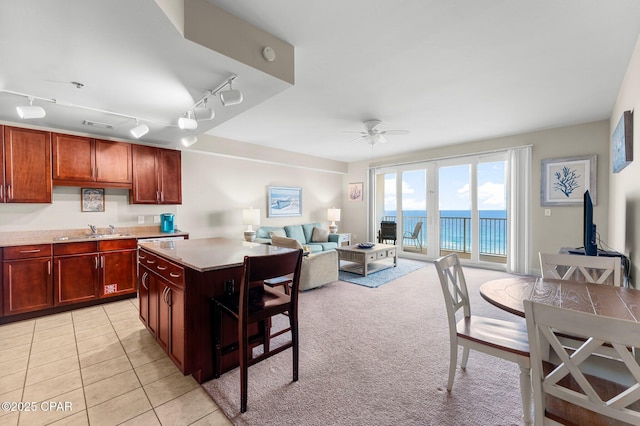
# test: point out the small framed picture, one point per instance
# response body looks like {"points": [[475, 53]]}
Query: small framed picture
{"points": [[92, 199], [284, 201], [355, 191]]}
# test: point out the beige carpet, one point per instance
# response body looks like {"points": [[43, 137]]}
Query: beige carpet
{"points": [[378, 356]]}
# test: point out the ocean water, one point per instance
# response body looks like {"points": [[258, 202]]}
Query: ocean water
{"points": [[455, 229]]}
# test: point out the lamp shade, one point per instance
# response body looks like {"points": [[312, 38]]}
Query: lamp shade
{"points": [[333, 215], [251, 217]]}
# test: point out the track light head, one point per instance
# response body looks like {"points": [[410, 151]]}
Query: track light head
{"points": [[187, 123], [189, 140], [139, 131], [30, 111], [230, 97]]}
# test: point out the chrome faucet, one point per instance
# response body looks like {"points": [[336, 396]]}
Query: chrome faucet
{"points": [[112, 229], [94, 229]]}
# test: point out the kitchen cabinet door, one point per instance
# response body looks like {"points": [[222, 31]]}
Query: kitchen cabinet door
{"points": [[27, 166], [118, 273], [73, 158], [170, 176], [27, 285], [113, 162], [171, 333], [76, 278]]}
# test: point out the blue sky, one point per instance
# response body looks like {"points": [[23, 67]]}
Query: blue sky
{"points": [[453, 188]]}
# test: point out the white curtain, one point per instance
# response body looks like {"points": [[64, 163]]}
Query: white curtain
{"points": [[519, 244]]}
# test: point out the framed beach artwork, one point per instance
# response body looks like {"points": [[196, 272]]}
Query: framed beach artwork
{"points": [[355, 191], [564, 180], [284, 201], [622, 142], [92, 199]]}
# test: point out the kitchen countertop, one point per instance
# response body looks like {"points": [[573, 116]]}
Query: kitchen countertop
{"points": [[23, 238], [209, 254]]}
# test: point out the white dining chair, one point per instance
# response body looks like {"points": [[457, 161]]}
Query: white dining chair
{"points": [[592, 269], [568, 378], [502, 339]]}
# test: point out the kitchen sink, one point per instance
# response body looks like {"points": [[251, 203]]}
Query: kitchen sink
{"points": [[92, 237]]}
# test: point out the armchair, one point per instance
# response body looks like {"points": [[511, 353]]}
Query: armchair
{"points": [[317, 269]]}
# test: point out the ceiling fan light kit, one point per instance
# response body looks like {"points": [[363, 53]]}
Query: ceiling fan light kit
{"points": [[373, 136]]}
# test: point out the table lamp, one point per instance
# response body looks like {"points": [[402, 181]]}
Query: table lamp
{"points": [[250, 217], [334, 216]]}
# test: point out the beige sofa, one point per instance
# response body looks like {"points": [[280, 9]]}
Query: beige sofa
{"points": [[317, 269]]}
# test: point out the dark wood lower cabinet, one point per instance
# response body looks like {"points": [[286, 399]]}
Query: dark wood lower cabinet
{"points": [[44, 279], [162, 304]]}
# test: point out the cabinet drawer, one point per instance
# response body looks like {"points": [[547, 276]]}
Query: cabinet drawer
{"points": [[111, 245], [372, 256], [162, 267], [391, 253], [61, 249], [382, 254], [25, 252]]}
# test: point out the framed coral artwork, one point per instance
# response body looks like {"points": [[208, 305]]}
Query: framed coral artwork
{"points": [[564, 180]]}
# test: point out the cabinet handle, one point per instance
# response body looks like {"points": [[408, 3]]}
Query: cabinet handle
{"points": [[30, 251], [161, 196], [173, 275], [48, 267], [144, 277], [1, 188], [141, 257], [162, 268], [158, 196], [102, 262], [151, 261], [96, 259], [9, 192], [168, 296]]}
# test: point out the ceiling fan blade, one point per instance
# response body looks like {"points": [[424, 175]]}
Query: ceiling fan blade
{"points": [[395, 132], [357, 138]]}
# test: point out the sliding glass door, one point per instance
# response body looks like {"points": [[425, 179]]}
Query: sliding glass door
{"points": [[440, 207]]}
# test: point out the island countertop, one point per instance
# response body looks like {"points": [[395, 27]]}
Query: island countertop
{"points": [[208, 254]]}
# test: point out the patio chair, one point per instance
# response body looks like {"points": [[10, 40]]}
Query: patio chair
{"points": [[387, 232], [414, 238]]}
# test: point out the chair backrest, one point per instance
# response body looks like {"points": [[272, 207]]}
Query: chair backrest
{"points": [[545, 325], [416, 230], [388, 230], [454, 288], [592, 269], [259, 268]]}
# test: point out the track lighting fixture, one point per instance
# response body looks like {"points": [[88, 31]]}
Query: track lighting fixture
{"points": [[231, 96], [189, 140], [204, 113], [30, 111], [188, 123], [139, 131]]}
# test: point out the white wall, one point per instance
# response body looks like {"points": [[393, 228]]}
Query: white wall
{"points": [[624, 188], [564, 227]]}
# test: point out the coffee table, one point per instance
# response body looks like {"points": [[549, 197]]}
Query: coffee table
{"points": [[364, 261]]}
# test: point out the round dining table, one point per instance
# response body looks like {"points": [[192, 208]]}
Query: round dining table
{"points": [[509, 293]]}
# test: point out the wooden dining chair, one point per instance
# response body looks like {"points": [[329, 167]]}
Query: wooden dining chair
{"points": [[387, 232], [592, 269], [564, 386], [257, 304], [502, 339]]}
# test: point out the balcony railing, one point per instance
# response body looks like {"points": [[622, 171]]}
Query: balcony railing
{"points": [[455, 233]]}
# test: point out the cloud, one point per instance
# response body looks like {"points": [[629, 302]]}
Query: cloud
{"points": [[491, 195]]}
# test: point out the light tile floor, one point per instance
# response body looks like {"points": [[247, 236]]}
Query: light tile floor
{"points": [[97, 366]]}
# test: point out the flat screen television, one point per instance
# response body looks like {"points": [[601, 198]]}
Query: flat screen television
{"points": [[589, 232]]}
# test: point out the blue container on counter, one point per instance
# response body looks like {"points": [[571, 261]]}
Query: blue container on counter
{"points": [[166, 222]]}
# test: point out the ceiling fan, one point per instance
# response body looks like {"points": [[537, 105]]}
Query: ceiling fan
{"points": [[373, 135]]}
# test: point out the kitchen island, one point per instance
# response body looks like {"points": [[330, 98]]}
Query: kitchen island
{"points": [[177, 280]]}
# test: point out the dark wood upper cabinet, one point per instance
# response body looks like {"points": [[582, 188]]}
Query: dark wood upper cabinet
{"points": [[26, 166], [80, 160], [156, 176]]}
